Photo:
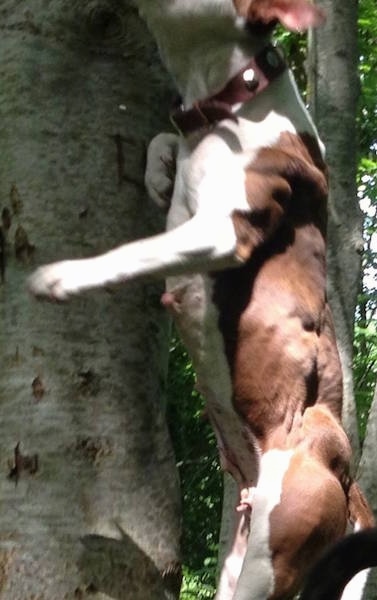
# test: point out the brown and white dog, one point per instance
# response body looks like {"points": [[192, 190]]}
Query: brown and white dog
{"points": [[244, 257]]}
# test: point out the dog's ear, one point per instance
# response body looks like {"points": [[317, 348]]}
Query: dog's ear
{"points": [[296, 15]]}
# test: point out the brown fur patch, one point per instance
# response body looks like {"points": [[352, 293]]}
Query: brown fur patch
{"points": [[273, 310]]}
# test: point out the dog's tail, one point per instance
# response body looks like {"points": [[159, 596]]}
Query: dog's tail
{"points": [[360, 513], [330, 575]]}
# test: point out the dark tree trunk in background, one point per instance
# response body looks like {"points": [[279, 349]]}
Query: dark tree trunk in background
{"points": [[334, 91], [93, 509], [368, 480], [334, 88]]}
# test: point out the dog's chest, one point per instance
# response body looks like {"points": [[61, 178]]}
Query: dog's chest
{"points": [[211, 173]]}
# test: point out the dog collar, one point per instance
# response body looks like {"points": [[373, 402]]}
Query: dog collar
{"points": [[255, 77]]}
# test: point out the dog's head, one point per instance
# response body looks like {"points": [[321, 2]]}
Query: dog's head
{"points": [[296, 15]]}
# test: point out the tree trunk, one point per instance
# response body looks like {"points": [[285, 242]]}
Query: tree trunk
{"points": [[368, 480], [90, 501], [334, 88], [333, 96]]}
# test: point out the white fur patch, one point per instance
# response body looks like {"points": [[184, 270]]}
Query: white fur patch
{"points": [[256, 581], [354, 589], [233, 562]]}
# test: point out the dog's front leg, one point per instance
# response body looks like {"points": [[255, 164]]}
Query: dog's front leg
{"points": [[200, 244]]}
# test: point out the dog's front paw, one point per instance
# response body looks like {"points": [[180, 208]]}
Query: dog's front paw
{"points": [[55, 282], [160, 168]]}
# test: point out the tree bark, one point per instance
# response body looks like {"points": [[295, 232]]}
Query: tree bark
{"points": [[333, 96], [367, 475], [334, 90], [90, 500], [231, 494]]}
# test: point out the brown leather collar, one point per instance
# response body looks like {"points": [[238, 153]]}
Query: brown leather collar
{"points": [[262, 69]]}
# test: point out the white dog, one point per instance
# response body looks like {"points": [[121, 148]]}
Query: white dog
{"points": [[244, 257]]}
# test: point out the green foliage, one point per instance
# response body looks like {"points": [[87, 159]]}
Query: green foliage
{"points": [[295, 50], [365, 335], [201, 480], [368, 76], [365, 340], [365, 370], [195, 584]]}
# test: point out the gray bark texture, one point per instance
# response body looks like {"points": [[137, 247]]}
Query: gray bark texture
{"points": [[230, 501], [367, 476], [334, 91], [89, 492]]}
